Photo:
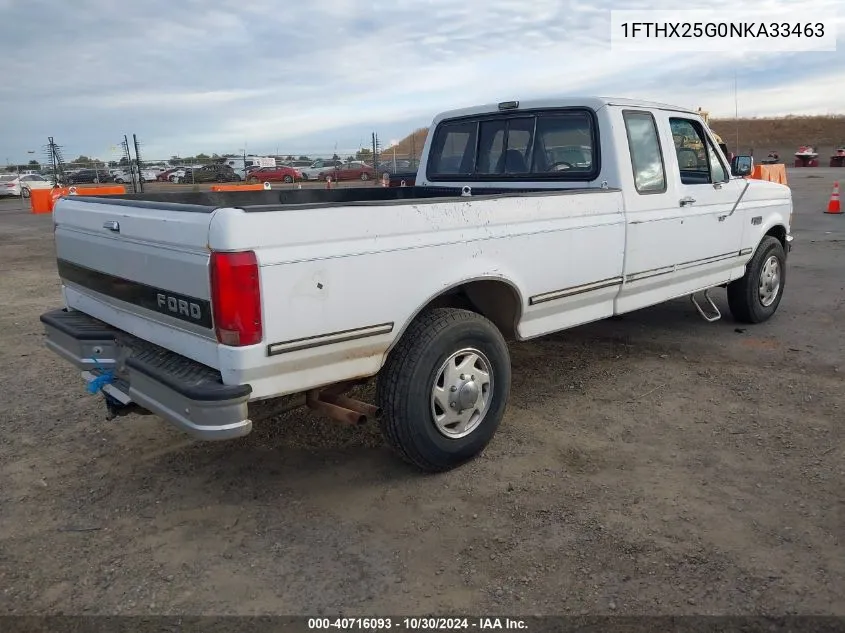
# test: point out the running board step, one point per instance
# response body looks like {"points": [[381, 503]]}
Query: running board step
{"points": [[715, 314]]}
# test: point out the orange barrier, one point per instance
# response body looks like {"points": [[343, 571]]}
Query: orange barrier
{"points": [[41, 200], [772, 173], [45, 199], [256, 187]]}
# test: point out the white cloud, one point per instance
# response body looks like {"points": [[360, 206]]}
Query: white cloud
{"points": [[198, 76]]}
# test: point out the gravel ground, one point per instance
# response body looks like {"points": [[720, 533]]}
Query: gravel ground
{"points": [[653, 464]]}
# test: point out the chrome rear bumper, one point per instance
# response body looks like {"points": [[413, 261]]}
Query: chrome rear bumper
{"points": [[189, 395]]}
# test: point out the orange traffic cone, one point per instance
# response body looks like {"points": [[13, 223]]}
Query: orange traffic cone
{"points": [[834, 205]]}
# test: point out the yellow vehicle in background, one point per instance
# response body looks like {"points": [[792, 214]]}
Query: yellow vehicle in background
{"points": [[689, 148]]}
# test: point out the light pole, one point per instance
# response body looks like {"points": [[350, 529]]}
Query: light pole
{"points": [[393, 144]]}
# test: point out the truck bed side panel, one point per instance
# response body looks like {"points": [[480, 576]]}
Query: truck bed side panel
{"points": [[340, 284]]}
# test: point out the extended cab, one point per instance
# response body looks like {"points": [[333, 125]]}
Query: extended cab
{"points": [[525, 219]]}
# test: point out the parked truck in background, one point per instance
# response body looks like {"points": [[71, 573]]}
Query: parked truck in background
{"points": [[204, 308]]}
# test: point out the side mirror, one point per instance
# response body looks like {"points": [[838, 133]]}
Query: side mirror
{"points": [[742, 165]]}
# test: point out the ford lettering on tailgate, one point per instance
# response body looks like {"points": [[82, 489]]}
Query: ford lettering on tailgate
{"points": [[178, 306]]}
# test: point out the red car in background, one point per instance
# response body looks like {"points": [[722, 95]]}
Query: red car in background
{"points": [[349, 171], [164, 176], [280, 173]]}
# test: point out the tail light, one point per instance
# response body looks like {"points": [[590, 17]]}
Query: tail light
{"points": [[236, 298]]}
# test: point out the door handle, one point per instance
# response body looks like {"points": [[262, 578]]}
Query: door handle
{"points": [[111, 225], [686, 201]]}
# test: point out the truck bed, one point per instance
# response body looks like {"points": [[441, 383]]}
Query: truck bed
{"points": [[275, 200]]}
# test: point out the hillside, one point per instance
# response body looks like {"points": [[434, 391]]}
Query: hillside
{"points": [[788, 133], [411, 145], [784, 134]]}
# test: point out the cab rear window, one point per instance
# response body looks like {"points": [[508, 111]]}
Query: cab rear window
{"points": [[559, 144]]}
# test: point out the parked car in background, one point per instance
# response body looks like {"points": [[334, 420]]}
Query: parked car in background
{"points": [[89, 176], [243, 166], [7, 184], [151, 174], [177, 174], [164, 176], [209, 173], [297, 164], [14, 185], [312, 171], [274, 174], [121, 176], [354, 170]]}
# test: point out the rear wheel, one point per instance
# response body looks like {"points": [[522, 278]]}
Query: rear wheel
{"points": [[25, 192], [365, 176], [755, 297], [444, 389]]}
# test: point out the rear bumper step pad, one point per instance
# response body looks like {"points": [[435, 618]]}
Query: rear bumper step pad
{"points": [[186, 393]]}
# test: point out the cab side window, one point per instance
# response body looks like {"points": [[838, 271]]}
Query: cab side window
{"points": [[646, 155], [692, 151]]}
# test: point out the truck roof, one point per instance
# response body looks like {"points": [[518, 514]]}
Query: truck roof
{"points": [[562, 102]]}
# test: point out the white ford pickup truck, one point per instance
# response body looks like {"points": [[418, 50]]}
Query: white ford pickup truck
{"points": [[525, 219]]}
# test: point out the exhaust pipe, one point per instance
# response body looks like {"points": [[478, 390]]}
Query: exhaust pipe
{"points": [[348, 416], [369, 410]]}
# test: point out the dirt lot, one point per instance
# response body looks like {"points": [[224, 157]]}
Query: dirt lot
{"points": [[654, 464]]}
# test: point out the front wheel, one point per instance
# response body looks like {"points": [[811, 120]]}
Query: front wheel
{"points": [[365, 176], [755, 297], [288, 179], [444, 389]]}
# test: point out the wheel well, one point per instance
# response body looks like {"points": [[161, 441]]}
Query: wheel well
{"points": [[779, 233], [497, 300]]}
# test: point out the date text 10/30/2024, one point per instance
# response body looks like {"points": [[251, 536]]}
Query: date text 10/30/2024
{"points": [[415, 624]]}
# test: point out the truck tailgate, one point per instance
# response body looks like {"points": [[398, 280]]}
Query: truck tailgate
{"points": [[141, 267]]}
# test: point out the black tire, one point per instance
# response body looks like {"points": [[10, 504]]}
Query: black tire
{"points": [[405, 386], [288, 179], [25, 192], [365, 176], [744, 293]]}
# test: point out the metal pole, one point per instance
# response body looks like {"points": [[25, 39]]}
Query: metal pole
{"points": [[736, 113], [138, 163]]}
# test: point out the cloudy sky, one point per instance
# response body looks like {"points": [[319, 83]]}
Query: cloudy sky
{"points": [[191, 76]]}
